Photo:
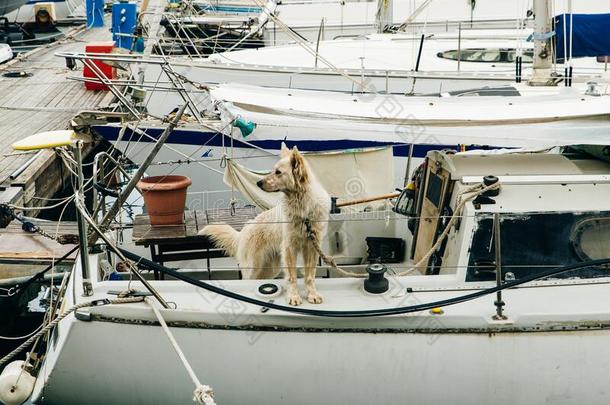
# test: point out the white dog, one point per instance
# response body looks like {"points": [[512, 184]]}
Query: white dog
{"points": [[274, 239]]}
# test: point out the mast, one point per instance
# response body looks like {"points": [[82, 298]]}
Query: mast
{"points": [[385, 16], [541, 75]]}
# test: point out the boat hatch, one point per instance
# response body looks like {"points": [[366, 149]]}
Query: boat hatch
{"points": [[486, 55], [537, 242]]}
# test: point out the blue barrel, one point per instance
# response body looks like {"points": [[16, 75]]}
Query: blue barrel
{"points": [[124, 19], [95, 13]]}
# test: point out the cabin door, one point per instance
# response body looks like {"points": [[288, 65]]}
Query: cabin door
{"points": [[434, 199]]}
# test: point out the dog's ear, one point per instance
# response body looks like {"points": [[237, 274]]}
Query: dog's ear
{"points": [[298, 167], [284, 151]]}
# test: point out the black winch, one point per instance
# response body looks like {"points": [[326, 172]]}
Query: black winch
{"points": [[376, 283]]}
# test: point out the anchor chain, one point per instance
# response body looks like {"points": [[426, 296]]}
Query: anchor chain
{"points": [[29, 227]]}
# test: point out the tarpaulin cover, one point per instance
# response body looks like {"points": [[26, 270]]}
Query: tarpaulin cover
{"points": [[349, 175], [590, 37]]}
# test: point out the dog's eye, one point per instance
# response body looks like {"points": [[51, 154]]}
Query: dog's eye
{"points": [[278, 172]]}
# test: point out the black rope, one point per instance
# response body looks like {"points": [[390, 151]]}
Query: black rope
{"points": [[362, 313]]}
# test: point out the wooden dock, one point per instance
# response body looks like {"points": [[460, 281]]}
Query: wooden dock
{"points": [[23, 254], [19, 245], [43, 99]]}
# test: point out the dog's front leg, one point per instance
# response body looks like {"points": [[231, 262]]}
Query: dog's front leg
{"points": [[310, 258], [290, 258]]}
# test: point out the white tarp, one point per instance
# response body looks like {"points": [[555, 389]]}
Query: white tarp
{"points": [[349, 175]]}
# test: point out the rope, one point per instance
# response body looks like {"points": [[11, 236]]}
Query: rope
{"points": [[52, 324], [475, 190], [20, 337], [203, 394], [329, 260]]}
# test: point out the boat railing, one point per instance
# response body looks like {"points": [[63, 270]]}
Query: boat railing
{"points": [[499, 239]]}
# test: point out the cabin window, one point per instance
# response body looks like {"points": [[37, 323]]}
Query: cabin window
{"points": [[486, 55], [537, 242], [435, 188]]}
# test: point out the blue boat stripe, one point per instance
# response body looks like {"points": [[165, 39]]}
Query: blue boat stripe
{"points": [[31, 2], [187, 137]]}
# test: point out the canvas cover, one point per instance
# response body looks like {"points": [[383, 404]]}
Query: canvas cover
{"points": [[590, 35], [349, 175]]}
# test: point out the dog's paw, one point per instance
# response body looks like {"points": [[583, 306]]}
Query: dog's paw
{"points": [[314, 298], [295, 300]]}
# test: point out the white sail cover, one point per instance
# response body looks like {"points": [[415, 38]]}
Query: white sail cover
{"points": [[349, 175]]}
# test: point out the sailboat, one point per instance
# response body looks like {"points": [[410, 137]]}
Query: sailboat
{"points": [[203, 29], [490, 266], [460, 58]]}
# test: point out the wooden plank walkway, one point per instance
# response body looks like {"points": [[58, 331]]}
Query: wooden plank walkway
{"points": [[45, 100], [17, 244], [152, 13]]}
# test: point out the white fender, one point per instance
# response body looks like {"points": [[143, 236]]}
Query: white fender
{"points": [[16, 384]]}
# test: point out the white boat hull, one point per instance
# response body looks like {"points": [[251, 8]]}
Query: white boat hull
{"points": [[550, 346], [160, 102], [106, 362], [377, 63], [314, 123], [63, 10]]}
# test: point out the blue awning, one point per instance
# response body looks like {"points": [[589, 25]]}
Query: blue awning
{"points": [[590, 37]]}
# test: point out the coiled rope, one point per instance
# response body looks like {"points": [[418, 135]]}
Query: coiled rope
{"points": [[461, 202]]}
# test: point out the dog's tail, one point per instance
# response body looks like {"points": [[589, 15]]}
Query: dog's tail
{"points": [[223, 236]]}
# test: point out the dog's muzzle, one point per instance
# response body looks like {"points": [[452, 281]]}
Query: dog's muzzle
{"points": [[260, 184]]}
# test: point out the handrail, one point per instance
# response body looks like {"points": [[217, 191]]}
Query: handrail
{"points": [[102, 186]]}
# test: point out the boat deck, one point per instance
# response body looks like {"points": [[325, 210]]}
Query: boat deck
{"points": [[41, 99]]}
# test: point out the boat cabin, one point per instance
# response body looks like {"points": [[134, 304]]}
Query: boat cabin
{"points": [[551, 211]]}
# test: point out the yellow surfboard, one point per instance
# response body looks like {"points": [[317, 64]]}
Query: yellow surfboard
{"points": [[49, 139]]}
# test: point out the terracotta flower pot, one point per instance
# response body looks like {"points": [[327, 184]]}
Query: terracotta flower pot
{"points": [[165, 197]]}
